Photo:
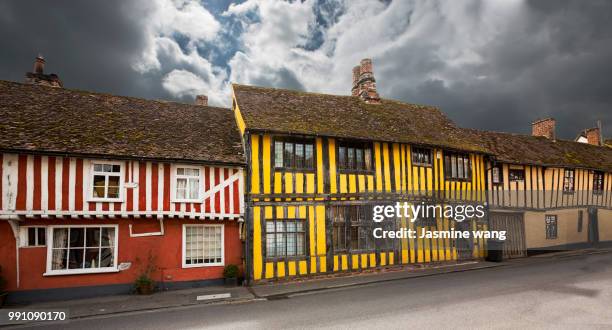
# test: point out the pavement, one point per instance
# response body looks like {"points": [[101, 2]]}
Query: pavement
{"points": [[127, 304]]}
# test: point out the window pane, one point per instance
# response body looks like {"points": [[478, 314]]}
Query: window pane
{"points": [[291, 241], [180, 171], [31, 236], [116, 168], [290, 226], [92, 258], [270, 245], [309, 156], [75, 259], [194, 188], [300, 244], [98, 185], [367, 155], [466, 168], [42, 237], [108, 237], [350, 156], [359, 159], [58, 261], [278, 154], [107, 257], [270, 226], [113, 192], [280, 245], [299, 155], [288, 156], [92, 237], [341, 157], [107, 167], [181, 188], [60, 237], [77, 237], [98, 167]]}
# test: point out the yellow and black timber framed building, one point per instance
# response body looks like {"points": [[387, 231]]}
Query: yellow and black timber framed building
{"points": [[317, 163]]}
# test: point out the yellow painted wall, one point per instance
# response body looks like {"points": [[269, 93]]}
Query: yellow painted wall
{"points": [[605, 225], [567, 228]]}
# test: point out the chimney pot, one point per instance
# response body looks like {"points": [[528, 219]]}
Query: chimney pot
{"points": [[39, 64], [544, 127], [201, 100]]}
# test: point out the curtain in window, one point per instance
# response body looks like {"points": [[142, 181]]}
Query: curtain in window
{"points": [[60, 243]]}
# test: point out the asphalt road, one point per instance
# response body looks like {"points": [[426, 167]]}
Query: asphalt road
{"points": [[570, 292]]}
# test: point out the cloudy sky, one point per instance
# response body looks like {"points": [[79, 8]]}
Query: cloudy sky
{"points": [[496, 64]]}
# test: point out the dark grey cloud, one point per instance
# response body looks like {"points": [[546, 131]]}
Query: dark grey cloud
{"points": [[553, 62], [91, 45]]}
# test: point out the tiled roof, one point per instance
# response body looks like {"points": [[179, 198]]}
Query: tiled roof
{"points": [[536, 150], [57, 120], [288, 111]]}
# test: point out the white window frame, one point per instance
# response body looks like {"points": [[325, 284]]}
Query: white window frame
{"points": [[175, 176], [51, 272], [24, 235], [92, 173], [184, 246]]}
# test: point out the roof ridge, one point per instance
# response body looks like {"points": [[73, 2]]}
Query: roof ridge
{"points": [[334, 95], [83, 91]]}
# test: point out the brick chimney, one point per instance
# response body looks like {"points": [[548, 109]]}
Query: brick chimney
{"points": [[38, 76], [364, 84], [544, 127], [201, 100], [593, 136]]}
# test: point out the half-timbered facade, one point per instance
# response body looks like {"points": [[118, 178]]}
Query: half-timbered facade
{"points": [[318, 163], [98, 189], [550, 194]]}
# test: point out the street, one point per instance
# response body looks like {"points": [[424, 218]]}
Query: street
{"points": [[562, 292]]}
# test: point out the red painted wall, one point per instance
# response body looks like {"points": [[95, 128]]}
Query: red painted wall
{"points": [[166, 250], [7, 254]]}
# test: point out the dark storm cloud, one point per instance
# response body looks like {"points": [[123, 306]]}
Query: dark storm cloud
{"points": [[91, 45], [555, 61]]}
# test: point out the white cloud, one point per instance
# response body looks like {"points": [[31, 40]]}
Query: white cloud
{"points": [[186, 71], [409, 41]]}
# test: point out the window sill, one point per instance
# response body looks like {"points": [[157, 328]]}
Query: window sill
{"points": [[81, 271], [204, 265]]}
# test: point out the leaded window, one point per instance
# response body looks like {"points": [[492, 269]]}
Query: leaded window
{"points": [[285, 238]]}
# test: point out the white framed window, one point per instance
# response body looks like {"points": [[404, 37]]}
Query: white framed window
{"points": [[81, 249], [106, 181], [203, 245], [31, 236], [186, 184]]}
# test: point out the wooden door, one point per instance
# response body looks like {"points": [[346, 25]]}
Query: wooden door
{"points": [[513, 224]]}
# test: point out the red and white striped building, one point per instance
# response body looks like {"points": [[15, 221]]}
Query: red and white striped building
{"points": [[97, 189]]}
